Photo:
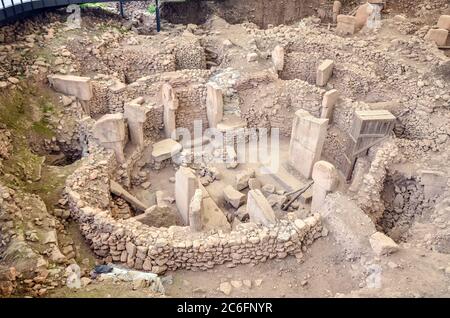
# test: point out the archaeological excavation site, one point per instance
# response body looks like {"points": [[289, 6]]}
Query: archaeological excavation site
{"points": [[229, 148]]}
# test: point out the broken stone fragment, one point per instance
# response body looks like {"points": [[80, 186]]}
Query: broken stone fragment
{"points": [[226, 288], [233, 197], [382, 244], [242, 178]]}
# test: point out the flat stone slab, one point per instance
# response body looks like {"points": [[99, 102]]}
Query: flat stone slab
{"points": [[165, 149], [77, 86]]}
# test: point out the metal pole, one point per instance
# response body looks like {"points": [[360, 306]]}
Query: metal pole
{"points": [[121, 9], [158, 19]]}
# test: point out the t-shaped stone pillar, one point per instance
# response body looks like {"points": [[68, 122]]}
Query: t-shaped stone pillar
{"points": [[214, 104], [186, 184], [325, 180], [170, 102], [307, 139], [136, 115], [110, 132]]}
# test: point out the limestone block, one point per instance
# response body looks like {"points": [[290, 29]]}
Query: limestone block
{"points": [[110, 128], [168, 97], [185, 186], [171, 103], [307, 139], [259, 209], [325, 180], [382, 244], [444, 22], [337, 6], [110, 132], [136, 115], [324, 72], [214, 104], [346, 24], [438, 36], [362, 14], [325, 175], [233, 197], [329, 100], [278, 58], [80, 87], [165, 149], [195, 211], [242, 178]]}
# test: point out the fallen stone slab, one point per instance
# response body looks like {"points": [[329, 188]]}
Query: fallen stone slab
{"points": [[233, 197], [165, 149], [118, 190], [259, 209], [382, 244]]}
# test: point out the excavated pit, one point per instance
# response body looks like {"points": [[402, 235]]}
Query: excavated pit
{"points": [[260, 12]]}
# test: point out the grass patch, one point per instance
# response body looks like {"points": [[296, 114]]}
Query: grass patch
{"points": [[151, 9], [93, 5]]}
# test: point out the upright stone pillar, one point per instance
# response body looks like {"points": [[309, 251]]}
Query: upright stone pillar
{"points": [[195, 211], [278, 58], [136, 115], [337, 5], [324, 72], [325, 180], [186, 184], [307, 139], [329, 100], [110, 132], [214, 104], [170, 103]]}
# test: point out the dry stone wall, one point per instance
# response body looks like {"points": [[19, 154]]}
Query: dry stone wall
{"points": [[159, 249]]}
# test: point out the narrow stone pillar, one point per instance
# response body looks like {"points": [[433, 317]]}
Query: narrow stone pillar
{"points": [[324, 72], [185, 186], [214, 104], [329, 100], [307, 139], [170, 102], [259, 209], [325, 180], [337, 5], [278, 58], [136, 115], [110, 132], [195, 211]]}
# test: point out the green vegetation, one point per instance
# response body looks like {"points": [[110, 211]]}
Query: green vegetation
{"points": [[24, 112], [151, 9], [93, 5]]}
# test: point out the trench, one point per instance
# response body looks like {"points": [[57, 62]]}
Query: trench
{"points": [[404, 201], [260, 12]]}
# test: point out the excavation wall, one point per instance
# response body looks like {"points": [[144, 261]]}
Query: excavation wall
{"points": [[260, 12]]}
